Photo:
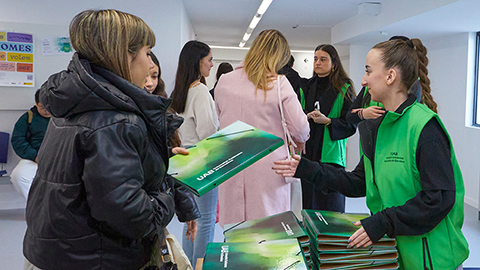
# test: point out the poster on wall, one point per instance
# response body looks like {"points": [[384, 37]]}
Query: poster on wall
{"points": [[56, 45], [16, 59]]}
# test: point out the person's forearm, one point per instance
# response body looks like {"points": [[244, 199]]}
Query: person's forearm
{"points": [[326, 177]]}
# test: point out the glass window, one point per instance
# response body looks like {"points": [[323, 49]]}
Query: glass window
{"points": [[476, 112]]}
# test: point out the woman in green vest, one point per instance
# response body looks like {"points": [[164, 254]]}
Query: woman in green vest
{"points": [[327, 98], [408, 172]]}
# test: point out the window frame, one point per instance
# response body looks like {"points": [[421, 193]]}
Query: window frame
{"points": [[476, 94]]}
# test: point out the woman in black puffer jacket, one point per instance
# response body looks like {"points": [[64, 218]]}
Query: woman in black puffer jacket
{"points": [[100, 196]]}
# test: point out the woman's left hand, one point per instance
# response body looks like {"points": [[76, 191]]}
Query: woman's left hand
{"points": [[191, 229], [179, 150], [360, 238], [319, 117]]}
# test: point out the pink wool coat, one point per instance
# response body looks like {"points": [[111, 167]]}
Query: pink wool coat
{"points": [[257, 191]]}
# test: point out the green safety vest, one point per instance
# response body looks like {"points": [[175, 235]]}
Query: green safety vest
{"points": [[335, 151], [332, 151], [394, 178]]}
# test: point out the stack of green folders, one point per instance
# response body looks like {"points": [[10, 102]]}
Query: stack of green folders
{"points": [[329, 232], [274, 242]]}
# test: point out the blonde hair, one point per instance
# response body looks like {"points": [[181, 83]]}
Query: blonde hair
{"points": [[267, 55], [106, 37]]}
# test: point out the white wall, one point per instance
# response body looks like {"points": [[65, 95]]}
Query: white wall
{"points": [[303, 63], [168, 20], [173, 42], [450, 60], [391, 12], [358, 54]]}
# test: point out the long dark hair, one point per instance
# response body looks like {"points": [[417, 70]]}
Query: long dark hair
{"points": [[223, 68], [160, 89], [188, 71], [337, 76]]}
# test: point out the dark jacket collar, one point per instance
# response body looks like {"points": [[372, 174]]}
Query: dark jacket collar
{"points": [[369, 128], [391, 116], [407, 103], [84, 87]]}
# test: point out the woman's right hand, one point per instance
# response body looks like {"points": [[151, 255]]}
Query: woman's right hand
{"points": [[371, 112], [318, 117], [191, 229], [360, 238], [300, 149], [287, 168]]}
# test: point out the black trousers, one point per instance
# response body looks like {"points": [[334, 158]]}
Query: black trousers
{"points": [[313, 198]]}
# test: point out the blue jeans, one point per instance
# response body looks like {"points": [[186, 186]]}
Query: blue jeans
{"points": [[207, 204]]}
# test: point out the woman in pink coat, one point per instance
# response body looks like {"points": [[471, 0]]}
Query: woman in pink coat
{"points": [[249, 94]]}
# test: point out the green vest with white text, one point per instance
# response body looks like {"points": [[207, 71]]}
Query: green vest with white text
{"points": [[393, 179], [335, 151]]}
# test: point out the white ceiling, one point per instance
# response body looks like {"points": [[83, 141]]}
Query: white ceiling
{"points": [[308, 23]]}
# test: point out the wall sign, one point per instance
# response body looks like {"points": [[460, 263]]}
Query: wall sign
{"points": [[56, 45], [16, 59]]}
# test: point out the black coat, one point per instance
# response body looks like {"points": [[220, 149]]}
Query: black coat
{"points": [[339, 127], [100, 194], [292, 76]]}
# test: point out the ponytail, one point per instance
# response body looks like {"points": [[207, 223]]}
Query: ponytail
{"points": [[426, 98]]}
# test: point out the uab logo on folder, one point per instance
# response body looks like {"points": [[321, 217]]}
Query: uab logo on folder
{"points": [[222, 155], [201, 177]]}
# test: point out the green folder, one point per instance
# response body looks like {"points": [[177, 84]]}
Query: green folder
{"points": [[268, 255], [215, 159], [280, 226], [389, 257], [334, 227], [366, 266]]}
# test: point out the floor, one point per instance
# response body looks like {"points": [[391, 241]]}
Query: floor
{"points": [[13, 225]]}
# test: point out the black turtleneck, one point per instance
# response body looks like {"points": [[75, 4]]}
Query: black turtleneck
{"points": [[322, 85]]}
